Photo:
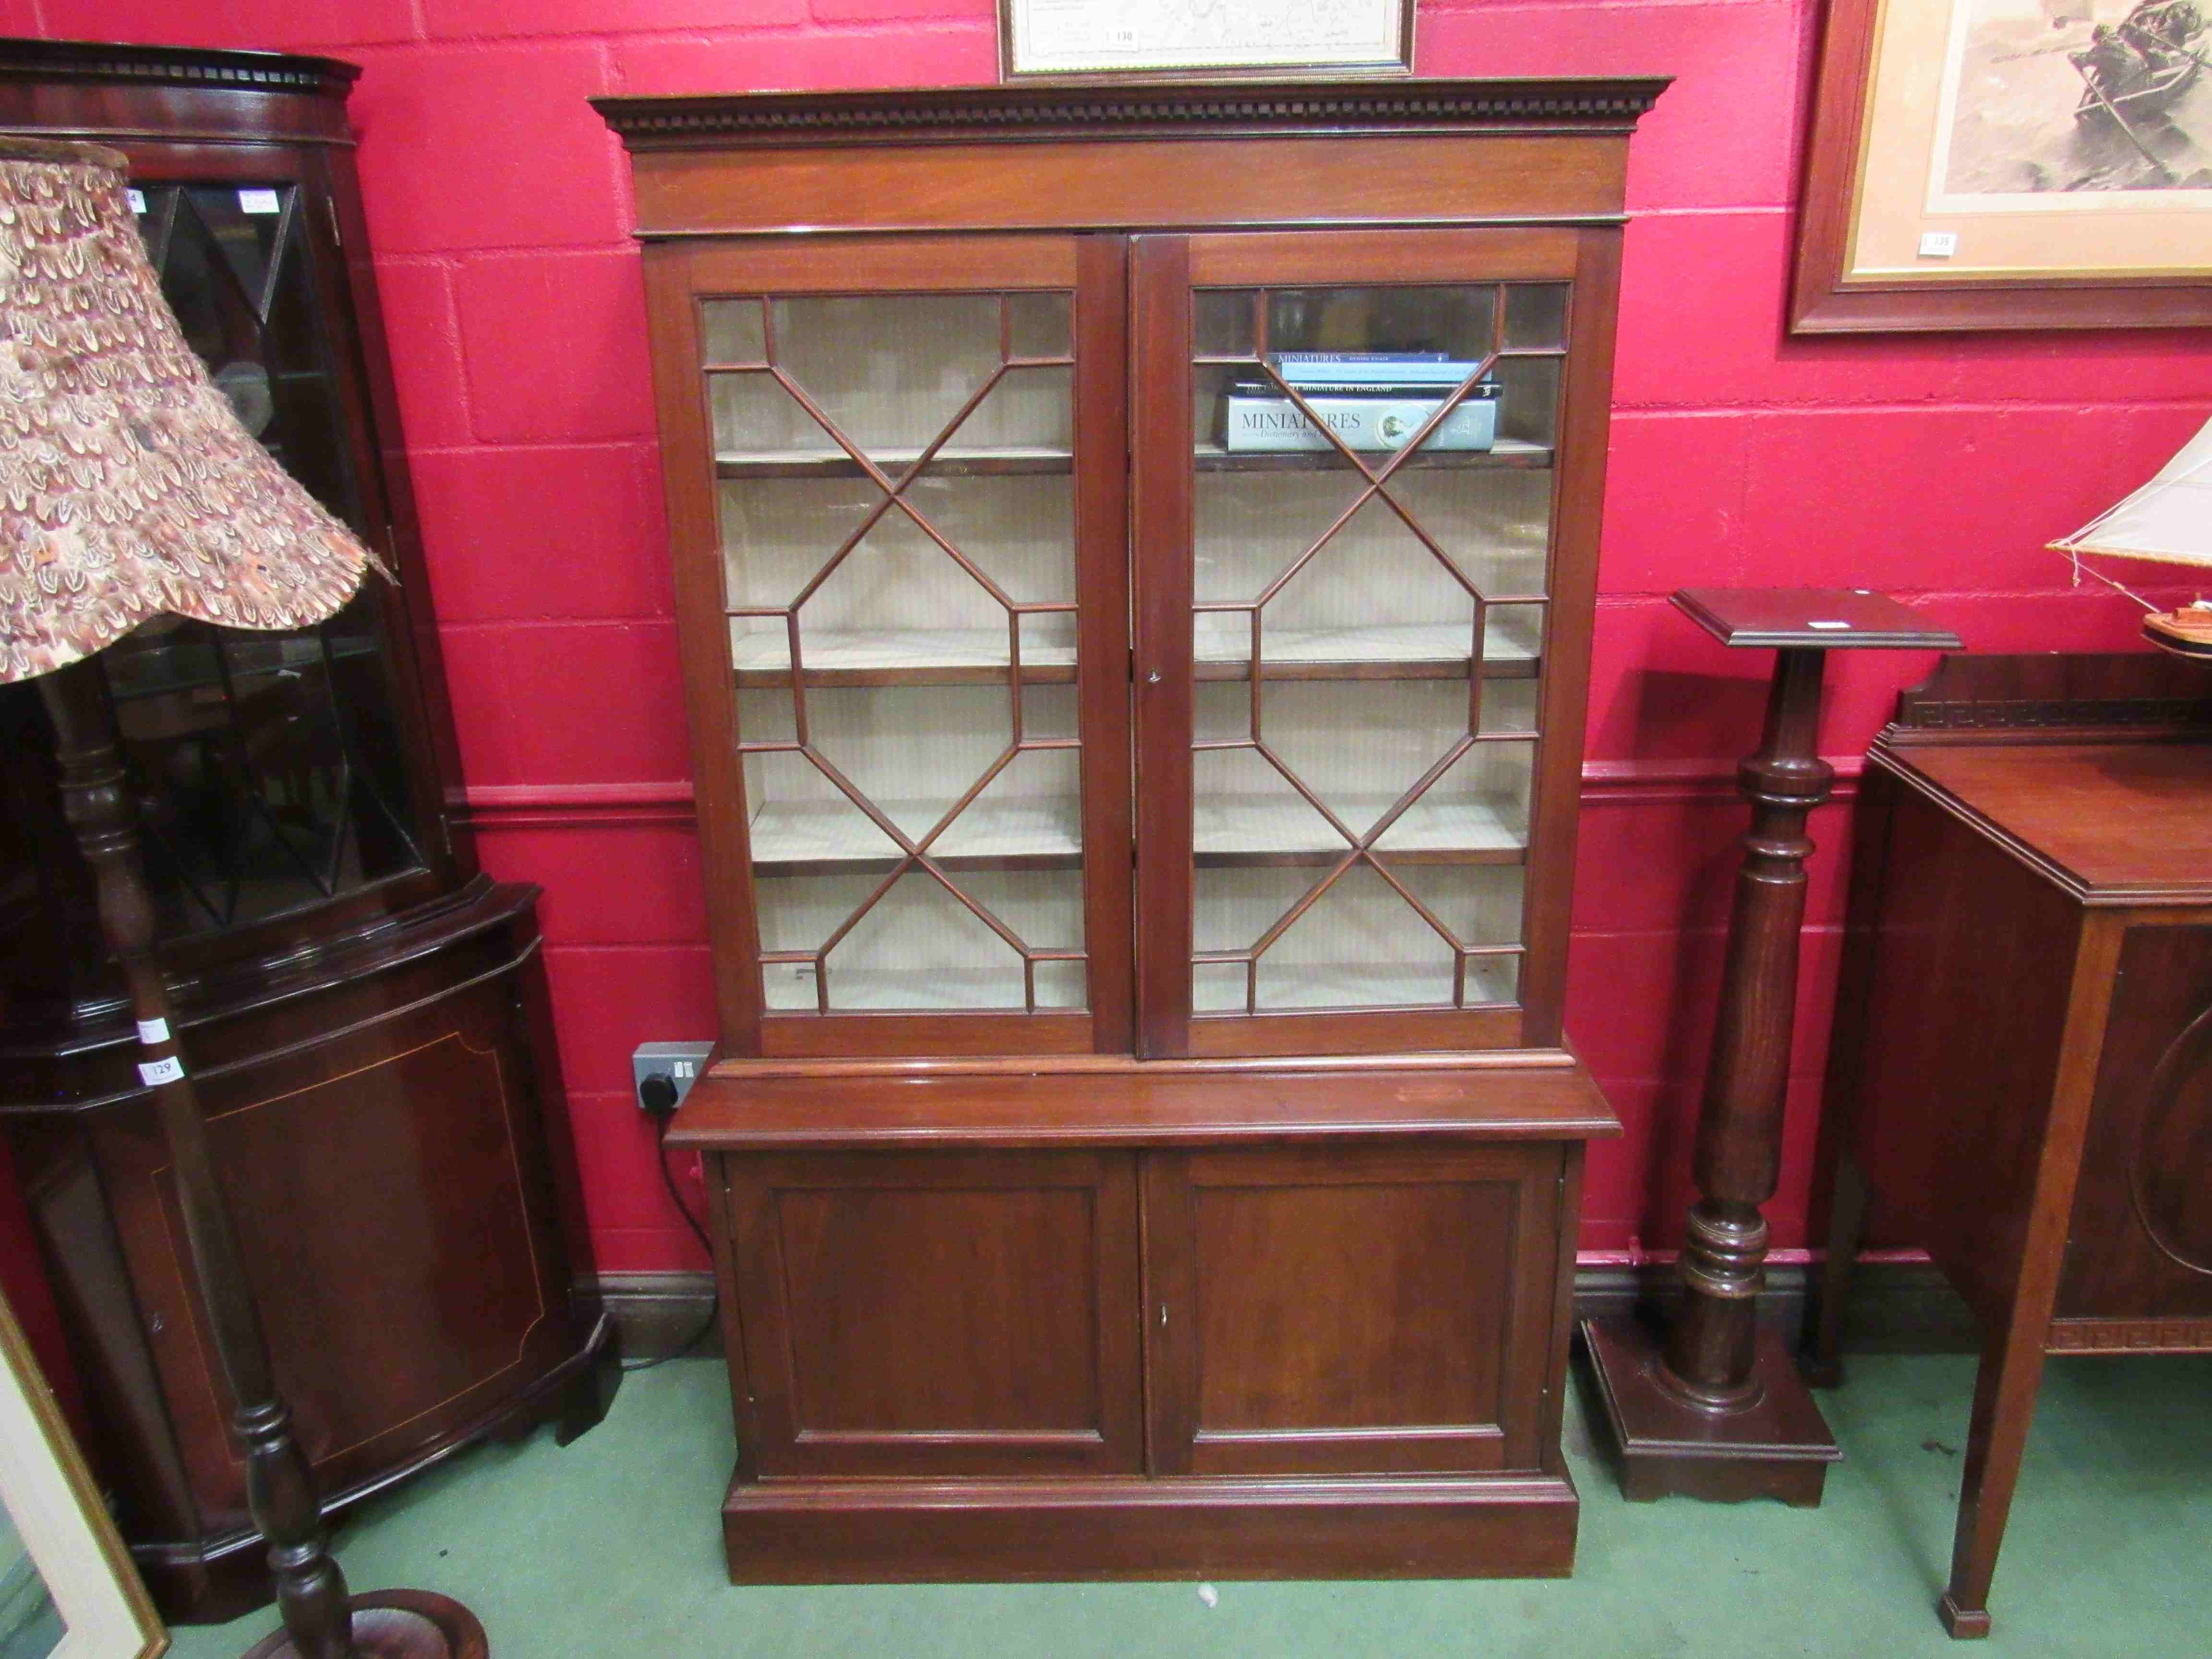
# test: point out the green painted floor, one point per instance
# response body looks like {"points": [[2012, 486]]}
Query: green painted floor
{"points": [[610, 1548]]}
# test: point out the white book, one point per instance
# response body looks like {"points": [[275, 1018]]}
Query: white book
{"points": [[1254, 424]]}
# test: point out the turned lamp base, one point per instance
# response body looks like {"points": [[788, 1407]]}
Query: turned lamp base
{"points": [[1774, 1444], [397, 1624]]}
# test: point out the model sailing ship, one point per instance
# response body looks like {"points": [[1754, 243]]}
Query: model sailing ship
{"points": [[2167, 521]]}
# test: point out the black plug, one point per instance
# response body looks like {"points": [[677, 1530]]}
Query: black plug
{"points": [[657, 1095]]}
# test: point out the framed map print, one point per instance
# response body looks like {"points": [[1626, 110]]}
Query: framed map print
{"points": [[1987, 164], [1039, 38]]}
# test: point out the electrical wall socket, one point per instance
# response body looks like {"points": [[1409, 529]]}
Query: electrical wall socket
{"points": [[680, 1062]]}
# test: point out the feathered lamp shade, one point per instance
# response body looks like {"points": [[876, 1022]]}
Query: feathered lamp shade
{"points": [[129, 489]]}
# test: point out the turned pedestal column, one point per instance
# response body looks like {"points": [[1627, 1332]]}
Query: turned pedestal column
{"points": [[1712, 1406]]}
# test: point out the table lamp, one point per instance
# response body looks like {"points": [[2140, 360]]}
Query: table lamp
{"points": [[2168, 521], [128, 490]]}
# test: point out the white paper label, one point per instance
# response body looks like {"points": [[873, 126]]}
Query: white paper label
{"points": [[137, 200], [151, 1071], [259, 201], [1938, 244], [152, 1030], [1825, 627]]}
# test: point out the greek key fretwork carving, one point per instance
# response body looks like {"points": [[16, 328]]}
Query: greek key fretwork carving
{"points": [[2130, 1336]]}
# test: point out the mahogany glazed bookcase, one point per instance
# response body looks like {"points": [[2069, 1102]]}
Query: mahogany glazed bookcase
{"points": [[1141, 1140]]}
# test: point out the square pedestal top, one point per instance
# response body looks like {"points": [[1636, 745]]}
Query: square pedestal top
{"points": [[1821, 618]]}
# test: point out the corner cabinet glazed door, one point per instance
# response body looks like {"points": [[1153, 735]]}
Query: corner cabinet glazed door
{"points": [[1363, 633], [898, 508]]}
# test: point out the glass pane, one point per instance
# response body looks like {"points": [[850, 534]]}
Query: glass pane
{"points": [[244, 226], [890, 371], [1222, 320], [1536, 317], [1040, 325], [1528, 401], [736, 331], [1372, 535], [1457, 322], [270, 767], [915, 803], [910, 944]]}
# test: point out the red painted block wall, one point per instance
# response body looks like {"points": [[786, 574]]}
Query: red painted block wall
{"points": [[1934, 468]]}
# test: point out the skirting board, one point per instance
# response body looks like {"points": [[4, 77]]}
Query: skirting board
{"points": [[1896, 1307]]}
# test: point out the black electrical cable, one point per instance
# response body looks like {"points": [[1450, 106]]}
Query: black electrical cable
{"points": [[662, 1118]]}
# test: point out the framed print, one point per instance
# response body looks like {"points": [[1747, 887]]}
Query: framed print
{"points": [[1046, 38], [67, 1588], [1989, 164]]}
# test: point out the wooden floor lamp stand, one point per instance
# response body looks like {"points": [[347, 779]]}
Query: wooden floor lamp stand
{"points": [[320, 1620], [1714, 1407]]}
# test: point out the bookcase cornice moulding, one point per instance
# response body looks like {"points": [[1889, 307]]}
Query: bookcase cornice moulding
{"points": [[1106, 109]]}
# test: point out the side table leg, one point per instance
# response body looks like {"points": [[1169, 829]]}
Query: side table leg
{"points": [[1846, 1220], [2004, 1405]]}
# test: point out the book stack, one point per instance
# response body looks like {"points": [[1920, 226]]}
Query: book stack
{"points": [[1372, 400]]}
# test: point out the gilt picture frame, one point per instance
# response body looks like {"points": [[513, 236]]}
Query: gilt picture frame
{"points": [[2008, 164], [72, 1591]]}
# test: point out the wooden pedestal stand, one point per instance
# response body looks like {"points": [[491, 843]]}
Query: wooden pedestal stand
{"points": [[1716, 1409]]}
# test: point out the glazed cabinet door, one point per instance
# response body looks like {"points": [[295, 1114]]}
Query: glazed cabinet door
{"points": [[1377, 1310], [1368, 467], [936, 1314], [896, 471]]}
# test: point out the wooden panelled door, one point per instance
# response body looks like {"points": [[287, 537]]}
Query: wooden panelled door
{"points": [[937, 1314], [1330, 1311], [1358, 722], [902, 583]]}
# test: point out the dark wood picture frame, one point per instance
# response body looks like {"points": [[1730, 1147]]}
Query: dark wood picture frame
{"points": [[1823, 301]]}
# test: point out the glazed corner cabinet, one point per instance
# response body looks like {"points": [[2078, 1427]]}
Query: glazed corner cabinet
{"points": [[366, 1009], [1141, 1139]]}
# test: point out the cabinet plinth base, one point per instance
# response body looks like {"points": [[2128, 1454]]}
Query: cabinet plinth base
{"points": [[1777, 1447], [813, 1531]]}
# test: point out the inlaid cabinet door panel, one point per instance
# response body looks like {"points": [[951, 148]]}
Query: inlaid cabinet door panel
{"points": [[2141, 1244], [939, 1314], [1348, 1311]]}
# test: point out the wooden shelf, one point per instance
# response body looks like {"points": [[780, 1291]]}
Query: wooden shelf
{"points": [[1413, 651], [892, 990], [952, 463], [1327, 987], [795, 838], [968, 656], [758, 1105], [949, 463], [1233, 831], [1507, 452], [821, 837], [1410, 650]]}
